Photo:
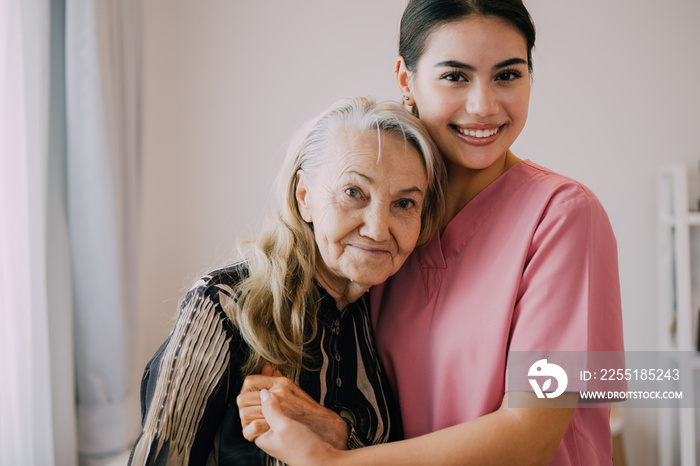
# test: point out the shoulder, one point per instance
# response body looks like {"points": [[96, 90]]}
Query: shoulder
{"points": [[220, 281], [215, 292], [556, 191], [565, 210], [552, 205]]}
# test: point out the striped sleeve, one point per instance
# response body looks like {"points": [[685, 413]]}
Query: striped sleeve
{"points": [[186, 384], [354, 440]]}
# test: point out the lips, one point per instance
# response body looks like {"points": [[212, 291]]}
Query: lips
{"points": [[370, 251], [478, 135]]}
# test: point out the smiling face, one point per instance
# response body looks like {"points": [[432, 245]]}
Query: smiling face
{"points": [[365, 210], [472, 88]]}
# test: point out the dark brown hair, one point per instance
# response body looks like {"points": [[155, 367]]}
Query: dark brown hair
{"points": [[421, 17]]}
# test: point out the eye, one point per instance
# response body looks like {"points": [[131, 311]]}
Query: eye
{"points": [[509, 75], [454, 76], [352, 194], [405, 204]]}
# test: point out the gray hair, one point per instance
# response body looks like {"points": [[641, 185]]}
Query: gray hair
{"points": [[365, 114]]}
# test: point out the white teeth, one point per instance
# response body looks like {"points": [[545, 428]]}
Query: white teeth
{"points": [[479, 133]]}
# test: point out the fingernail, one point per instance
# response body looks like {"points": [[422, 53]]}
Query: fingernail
{"points": [[264, 395]]}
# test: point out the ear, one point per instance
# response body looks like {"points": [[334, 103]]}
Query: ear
{"points": [[403, 79], [303, 198]]}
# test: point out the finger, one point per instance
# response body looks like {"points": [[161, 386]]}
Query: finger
{"points": [[250, 414], [292, 405], [255, 429], [283, 387], [272, 411], [248, 399], [289, 401], [254, 383], [268, 370], [281, 440]]}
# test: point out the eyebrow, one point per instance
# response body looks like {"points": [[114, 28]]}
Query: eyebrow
{"points": [[464, 66], [361, 175], [414, 189]]}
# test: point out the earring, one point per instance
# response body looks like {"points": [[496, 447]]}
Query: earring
{"points": [[405, 98]]}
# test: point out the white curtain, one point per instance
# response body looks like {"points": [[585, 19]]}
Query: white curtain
{"points": [[103, 98], [59, 282], [25, 396], [70, 122]]}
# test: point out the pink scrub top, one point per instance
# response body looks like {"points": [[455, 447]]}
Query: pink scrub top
{"points": [[530, 264]]}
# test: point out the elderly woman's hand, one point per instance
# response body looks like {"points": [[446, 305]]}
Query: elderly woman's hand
{"points": [[295, 403], [291, 441]]}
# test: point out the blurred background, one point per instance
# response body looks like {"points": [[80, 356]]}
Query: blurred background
{"points": [[208, 95]]}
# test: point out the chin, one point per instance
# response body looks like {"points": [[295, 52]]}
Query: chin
{"points": [[370, 279]]}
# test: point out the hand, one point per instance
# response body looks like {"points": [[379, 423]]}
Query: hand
{"points": [[294, 402], [252, 421], [288, 440]]}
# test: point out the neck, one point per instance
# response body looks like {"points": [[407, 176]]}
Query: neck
{"points": [[342, 290], [463, 184]]}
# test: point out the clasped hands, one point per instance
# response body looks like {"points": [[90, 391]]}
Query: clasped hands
{"points": [[294, 403]]}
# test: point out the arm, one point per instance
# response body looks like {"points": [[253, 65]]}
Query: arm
{"points": [[185, 386], [502, 437]]}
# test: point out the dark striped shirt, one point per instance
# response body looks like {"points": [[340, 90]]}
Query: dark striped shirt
{"points": [[189, 388]]}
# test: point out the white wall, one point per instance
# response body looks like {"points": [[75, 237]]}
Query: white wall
{"points": [[227, 82]]}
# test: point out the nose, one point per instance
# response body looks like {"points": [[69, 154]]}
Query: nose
{"points": [[481, 100], [375, 224]]}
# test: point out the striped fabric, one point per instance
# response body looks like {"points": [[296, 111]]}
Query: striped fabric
{"points": [[189, 388]]}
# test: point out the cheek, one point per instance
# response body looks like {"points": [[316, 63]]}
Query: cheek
{"points": [[517, 113], [524, 108], [518, 105], [434, 102], [336, 222], [408, 235], [439, 108], [437, 118]]}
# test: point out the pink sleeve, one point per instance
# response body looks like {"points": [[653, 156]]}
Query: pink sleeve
{"points": [[569, 295]]}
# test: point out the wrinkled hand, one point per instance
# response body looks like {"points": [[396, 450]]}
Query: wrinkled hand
{"points": [[290, 441], [294, 402]]}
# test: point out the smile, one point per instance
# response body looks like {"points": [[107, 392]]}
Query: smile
{"points": [[372, 252], [479, 133]]}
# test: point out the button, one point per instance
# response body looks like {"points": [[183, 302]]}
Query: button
{"points": [[337, 356], [338, 382]]}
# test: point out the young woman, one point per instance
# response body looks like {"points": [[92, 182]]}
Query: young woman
{"points": [[525, 261], [361, 189]]}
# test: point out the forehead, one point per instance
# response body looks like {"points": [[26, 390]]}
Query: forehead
{"points": [[352, 150], [476, 37], [347, 143]]}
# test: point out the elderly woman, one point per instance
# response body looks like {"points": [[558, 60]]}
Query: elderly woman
{"points": [[357, 194]]}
